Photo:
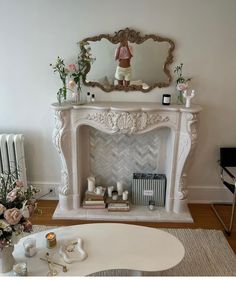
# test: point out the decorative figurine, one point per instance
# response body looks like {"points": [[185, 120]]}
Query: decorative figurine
{"points": [[188, 97]]}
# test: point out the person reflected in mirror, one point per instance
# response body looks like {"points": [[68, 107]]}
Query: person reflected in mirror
{"points": [[123, 54]]}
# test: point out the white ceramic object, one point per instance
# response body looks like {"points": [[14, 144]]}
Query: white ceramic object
{"points": [[91, 184], [72, 251], [30, 247], [6, 259], [20, 269], [98, 190], [188, 97]]}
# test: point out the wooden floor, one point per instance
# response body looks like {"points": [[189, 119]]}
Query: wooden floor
{"points": [[202, 214]]}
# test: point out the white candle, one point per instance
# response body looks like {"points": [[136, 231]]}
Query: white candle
{"points": [[98, 190], [119, 188], [109, 190], [91, 184], [125, 195]]}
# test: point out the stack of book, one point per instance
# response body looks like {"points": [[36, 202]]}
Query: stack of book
{"points": [[118, 205], [95, 201]]}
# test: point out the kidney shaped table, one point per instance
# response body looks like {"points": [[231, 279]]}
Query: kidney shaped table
{"points": [[109, 246]]}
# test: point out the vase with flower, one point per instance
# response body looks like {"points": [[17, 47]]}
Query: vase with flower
{"points": [[63, 73], [75, 74], [181, 83], [17, 204]]}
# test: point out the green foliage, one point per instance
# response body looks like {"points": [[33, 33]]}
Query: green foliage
{"points": [[178, 70], [63, 73]]}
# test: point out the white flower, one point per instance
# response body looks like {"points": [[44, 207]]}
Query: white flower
{"points": [[2, 209], [3, 224], [8, 229], [1, 233], [25, 211]]}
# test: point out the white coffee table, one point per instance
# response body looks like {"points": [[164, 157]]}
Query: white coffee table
{"points": [[109, 246]]}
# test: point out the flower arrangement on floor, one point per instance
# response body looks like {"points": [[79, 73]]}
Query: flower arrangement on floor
{"points": [[17, 204], [181, 83], [75, 73]]}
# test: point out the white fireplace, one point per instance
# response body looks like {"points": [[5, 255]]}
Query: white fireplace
{"points": [[89, 138]]}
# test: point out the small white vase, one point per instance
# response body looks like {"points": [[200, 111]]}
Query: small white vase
{"points": [[6, 259]]}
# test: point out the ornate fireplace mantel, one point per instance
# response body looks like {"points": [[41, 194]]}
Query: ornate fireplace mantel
{"points": [[122, 118]]}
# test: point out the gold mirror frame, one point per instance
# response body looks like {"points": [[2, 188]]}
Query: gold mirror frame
{"points": [[132, 36]]}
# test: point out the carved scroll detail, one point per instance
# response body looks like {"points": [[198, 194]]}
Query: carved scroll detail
{"points": [[126, 122], [188, 141], [60, 124]]}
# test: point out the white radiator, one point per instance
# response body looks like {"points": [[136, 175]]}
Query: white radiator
{"points": [[12, 156]]}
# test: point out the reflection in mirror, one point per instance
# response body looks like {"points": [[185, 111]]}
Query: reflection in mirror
{"points": [[151, 55]]}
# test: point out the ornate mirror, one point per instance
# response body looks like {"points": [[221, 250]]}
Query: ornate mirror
{"points": [[128, 61]]}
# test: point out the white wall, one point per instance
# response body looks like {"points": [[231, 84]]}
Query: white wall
{"points": [[33, 33]]}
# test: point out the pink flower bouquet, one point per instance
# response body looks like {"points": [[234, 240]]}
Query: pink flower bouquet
{"points": [[17, 204]]}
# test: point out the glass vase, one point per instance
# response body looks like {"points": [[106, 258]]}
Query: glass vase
{"points": [[6, 259], [180, 98], [75, 98]]}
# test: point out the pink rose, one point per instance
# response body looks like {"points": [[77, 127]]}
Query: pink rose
{"points": [[13, 216], [71, 67], [27, 226], [11, 196], [19, 183], [182, 86]]}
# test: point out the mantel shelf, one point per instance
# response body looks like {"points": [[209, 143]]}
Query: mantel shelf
{"points": [[128, 106]]}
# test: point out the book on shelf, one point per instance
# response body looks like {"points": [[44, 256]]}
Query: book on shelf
{"points": [[118, 205], [94, 202], [118, 208], [94, 206]]}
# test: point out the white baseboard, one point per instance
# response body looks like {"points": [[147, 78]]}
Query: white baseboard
{"points": [[44, 188], [197, 194], [209, 194]]}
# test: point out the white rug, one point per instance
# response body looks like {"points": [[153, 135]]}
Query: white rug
{"points": [[207, 254]]}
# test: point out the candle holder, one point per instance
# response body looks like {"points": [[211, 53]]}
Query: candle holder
{"points": [[166, 99], [30, 247], [114, 195], [151, 205], [20, 269], [51, 240]]}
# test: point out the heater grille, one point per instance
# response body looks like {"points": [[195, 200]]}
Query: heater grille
{"points": [[12, 156]]}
